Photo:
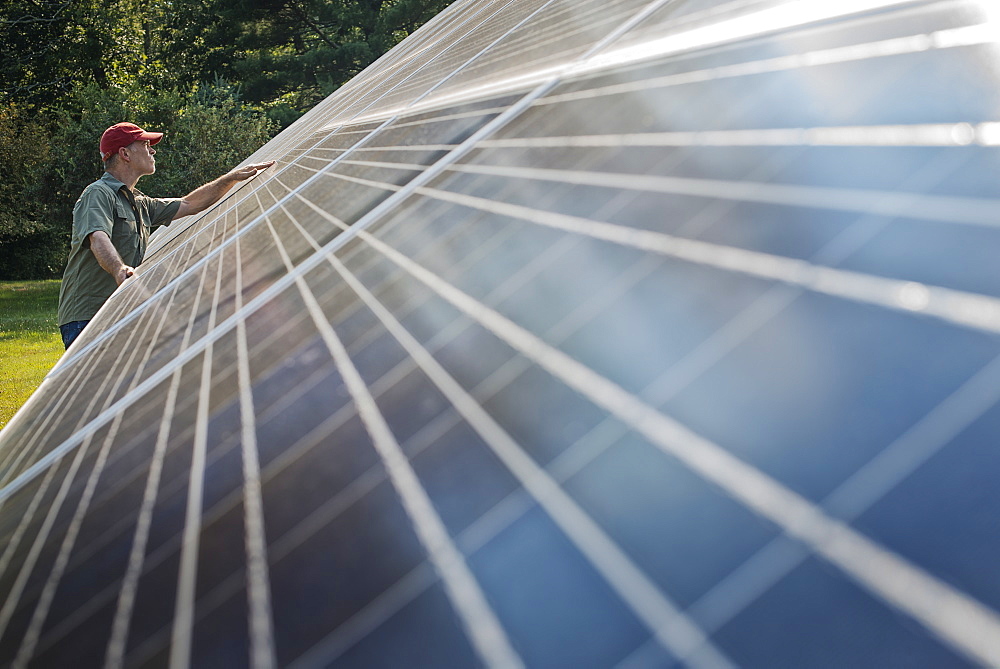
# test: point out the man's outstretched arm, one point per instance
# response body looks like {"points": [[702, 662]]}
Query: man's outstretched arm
{"points": [[203, 197]]}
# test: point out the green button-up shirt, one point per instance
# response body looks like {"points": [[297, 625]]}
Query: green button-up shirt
{"points": [[127, 218]]}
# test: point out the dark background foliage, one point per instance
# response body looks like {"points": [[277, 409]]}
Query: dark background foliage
{"points": [[219, 77]]}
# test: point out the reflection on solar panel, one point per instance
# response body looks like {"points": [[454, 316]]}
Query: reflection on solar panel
{"points": [[570, 333]]}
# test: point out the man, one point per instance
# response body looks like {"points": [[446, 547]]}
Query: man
{"points": [[112, 222]]}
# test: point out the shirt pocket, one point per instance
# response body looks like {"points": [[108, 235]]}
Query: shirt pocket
{"points": [[124, 233]]}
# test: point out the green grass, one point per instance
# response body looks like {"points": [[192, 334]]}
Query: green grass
{"points": [[29, 340]]}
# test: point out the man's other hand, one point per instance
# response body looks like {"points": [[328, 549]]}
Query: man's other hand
{"points": [[244, 173]]}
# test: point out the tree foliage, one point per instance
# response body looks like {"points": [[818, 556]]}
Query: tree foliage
{"points": [[219, 77], [28, 247], [291, 52]]}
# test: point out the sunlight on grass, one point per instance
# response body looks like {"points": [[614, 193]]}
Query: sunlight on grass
{"points": [[29, 340]]}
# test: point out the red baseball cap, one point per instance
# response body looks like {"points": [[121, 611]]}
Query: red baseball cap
{"points": [[123, 134]]}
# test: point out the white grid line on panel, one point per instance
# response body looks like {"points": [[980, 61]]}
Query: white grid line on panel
{"points": [[231, 202], [380, 185], [377, 164], [457, 70], [970, 627], [852, 497], [509, 510], [945, 208], [469, 260], [661, 616], [262, 650], [918, 134], [96, 355], [510, 284], [180, 647], [970, 310], [423, 147], [439, 118], [478, 619]]}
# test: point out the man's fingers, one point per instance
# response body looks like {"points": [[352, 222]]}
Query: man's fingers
{"points": [[250, 170]]}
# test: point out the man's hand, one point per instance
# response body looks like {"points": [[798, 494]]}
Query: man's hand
{"points": [[124, 272], [244, 173], [203, 197]]}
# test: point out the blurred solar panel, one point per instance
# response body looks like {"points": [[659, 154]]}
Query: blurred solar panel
{"points": [[569, 333]]}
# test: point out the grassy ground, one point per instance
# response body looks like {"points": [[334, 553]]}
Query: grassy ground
{"points": [[29, 340]]}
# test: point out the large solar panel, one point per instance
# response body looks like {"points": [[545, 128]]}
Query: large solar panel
{"points": [[571, 333]]}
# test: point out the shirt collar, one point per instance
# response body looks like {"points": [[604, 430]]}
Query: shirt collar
{"points": [[113, 182]]}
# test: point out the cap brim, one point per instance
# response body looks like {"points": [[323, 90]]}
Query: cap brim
{"points": [[153, 137]]}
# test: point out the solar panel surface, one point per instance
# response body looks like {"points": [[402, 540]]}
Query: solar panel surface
{"points": [[567, 334]]}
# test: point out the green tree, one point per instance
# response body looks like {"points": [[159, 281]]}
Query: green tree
{"points": [[290, 53], [30, 246], [47, 47]]}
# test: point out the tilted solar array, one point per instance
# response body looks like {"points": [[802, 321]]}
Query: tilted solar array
{"points": [[570, 333]]}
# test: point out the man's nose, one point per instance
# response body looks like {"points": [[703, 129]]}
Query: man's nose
{"points": [[152, 151]]}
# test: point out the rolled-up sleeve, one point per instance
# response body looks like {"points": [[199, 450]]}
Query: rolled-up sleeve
{"points": [[94, 212], [162, 210]]}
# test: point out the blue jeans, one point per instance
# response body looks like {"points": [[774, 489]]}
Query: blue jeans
{"points": [[71, 331]]}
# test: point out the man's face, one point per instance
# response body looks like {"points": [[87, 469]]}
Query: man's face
{"points": [[141, 155]]}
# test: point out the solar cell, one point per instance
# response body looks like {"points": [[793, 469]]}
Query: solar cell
{"points": [[567, 334]]}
